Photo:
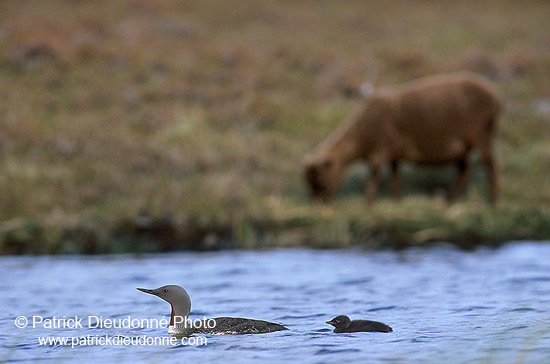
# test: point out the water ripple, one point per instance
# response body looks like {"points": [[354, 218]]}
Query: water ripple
{"points": [[335, 351]]}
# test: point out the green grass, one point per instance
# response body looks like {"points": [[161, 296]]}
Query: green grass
{"points": [[150, 125]]}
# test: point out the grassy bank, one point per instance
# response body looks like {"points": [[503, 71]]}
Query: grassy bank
{"points": [[155, 125]]}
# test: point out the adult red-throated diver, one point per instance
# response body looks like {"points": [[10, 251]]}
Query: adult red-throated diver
{"points": [[180, 302], [343, 323]]}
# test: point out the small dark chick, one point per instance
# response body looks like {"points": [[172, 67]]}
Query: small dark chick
{"points": [[343, 323]]}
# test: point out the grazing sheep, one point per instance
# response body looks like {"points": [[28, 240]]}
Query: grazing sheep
{"points": [[432, 121]]}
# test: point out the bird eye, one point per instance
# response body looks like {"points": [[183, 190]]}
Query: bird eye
{"points": [[165, 290]]}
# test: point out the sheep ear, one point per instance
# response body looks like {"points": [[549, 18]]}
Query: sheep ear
{"points": [[327, 163]]}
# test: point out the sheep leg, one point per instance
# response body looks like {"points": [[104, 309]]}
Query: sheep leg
{"points": [[463, 173], [491, 165], [372, 184], [395, 180], [492, 177]]}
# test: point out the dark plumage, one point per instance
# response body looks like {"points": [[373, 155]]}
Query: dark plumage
{"points": [[237, 325], [343, 323]]}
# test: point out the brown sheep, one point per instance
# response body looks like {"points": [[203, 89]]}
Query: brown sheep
{"points": [[431, 121]]}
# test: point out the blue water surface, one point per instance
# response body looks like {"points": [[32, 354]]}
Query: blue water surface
{"points": [[445, 305]]}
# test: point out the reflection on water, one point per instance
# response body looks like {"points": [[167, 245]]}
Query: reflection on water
{"points": [[444, 305]]}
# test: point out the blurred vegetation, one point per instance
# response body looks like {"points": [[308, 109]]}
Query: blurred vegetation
{"points": [[146, 125]]}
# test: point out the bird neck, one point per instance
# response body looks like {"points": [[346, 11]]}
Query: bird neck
{"points": [[179, 323]]}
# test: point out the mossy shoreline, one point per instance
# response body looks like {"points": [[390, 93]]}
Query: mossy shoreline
{"points": [[388, 227]]}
